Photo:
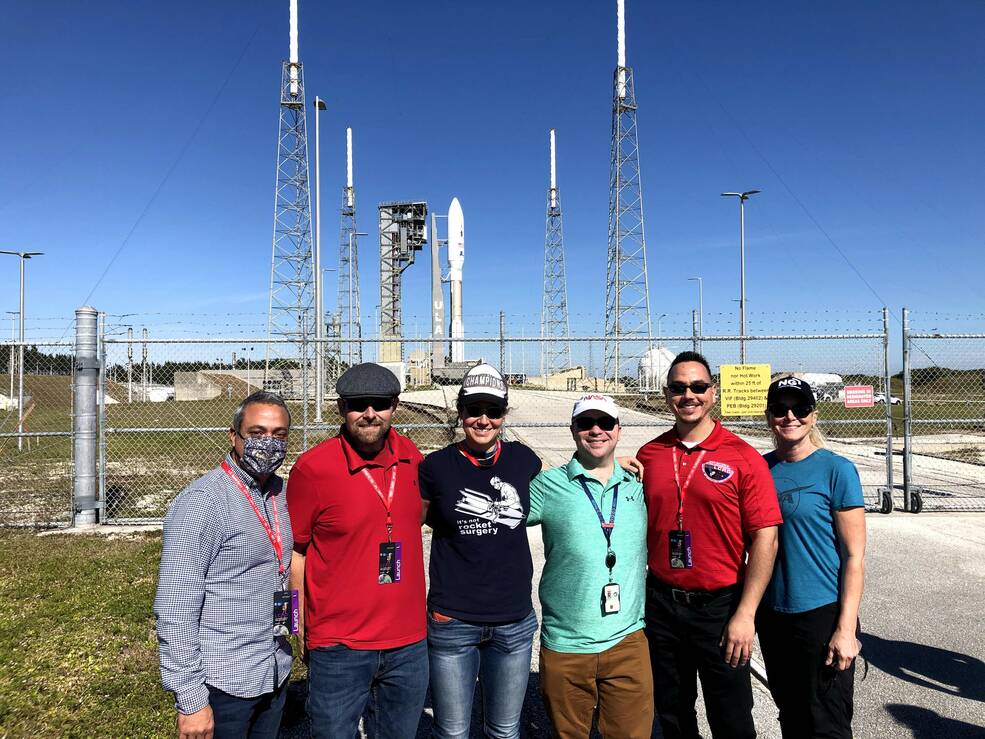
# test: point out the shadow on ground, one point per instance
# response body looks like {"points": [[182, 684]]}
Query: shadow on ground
{"points": [[929, 667], [926, 724]]}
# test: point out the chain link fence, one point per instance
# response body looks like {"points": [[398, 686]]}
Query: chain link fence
{"points": [[944, 413], [36, 413], [165, 406]]}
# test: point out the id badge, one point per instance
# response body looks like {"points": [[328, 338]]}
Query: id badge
{"points": [[285, 612], [610, 599], [680, 550], [389, 563]]}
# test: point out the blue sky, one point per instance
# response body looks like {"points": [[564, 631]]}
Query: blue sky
{"points": [[152, 126]]}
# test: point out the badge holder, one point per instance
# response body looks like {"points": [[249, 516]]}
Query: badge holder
{"points": [[286, 612], [681, 553], [390, 557], [610, 602]]}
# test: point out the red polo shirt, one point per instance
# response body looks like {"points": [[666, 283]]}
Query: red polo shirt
{"points": [[339, 523], [730, 495]]}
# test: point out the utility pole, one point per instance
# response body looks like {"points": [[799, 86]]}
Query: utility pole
{"points": [[743, 197], [24, 256]]}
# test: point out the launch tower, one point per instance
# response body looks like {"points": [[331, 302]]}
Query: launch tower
{"points": [[555, 353], [350, 326], [627, 294], [403, 233], [291, 312]]}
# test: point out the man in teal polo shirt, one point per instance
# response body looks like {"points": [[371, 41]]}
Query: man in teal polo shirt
{"points": [[593, 518]]}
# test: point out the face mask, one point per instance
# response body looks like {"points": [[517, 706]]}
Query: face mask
{"points": [[262, 455]]}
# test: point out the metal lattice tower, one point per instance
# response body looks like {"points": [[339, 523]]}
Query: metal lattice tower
{"points": [[555, 354], [350, 326], [403, 233], [627, 294], [292, 296]]}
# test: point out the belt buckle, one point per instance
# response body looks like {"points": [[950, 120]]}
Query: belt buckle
{"points": [[685, 599]]}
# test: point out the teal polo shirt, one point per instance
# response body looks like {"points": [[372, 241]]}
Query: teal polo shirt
{"points": [[574, 548]]}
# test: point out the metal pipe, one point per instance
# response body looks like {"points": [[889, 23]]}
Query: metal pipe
{"points": [[84, 423], [907, 416], [889, 406], [20, 371], [319, 299]]}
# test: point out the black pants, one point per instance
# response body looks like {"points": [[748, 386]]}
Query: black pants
{"points": [[684, 644], [815, 701]]}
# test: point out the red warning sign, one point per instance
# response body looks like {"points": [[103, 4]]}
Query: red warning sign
{"points": [[859, 396]]}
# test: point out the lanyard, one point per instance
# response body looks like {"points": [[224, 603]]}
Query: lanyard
{"points": [[610, 557], [682, 491], [388, 500], [475, 460], [272, 534]]}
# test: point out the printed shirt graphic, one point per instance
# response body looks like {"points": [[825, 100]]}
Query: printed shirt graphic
{"points": [[480, 567], [807, 573]]}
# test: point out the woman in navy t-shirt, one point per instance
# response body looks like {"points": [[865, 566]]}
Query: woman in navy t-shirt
{"points": [[481, 621], [808, 621]]}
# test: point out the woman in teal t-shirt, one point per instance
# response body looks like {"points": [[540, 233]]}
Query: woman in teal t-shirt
{"points": [[808, 621]]}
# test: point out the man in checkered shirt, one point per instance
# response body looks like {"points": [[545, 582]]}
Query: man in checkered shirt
{"points": [[223, 560]]}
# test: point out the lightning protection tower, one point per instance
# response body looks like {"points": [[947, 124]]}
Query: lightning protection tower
{"points": [[627, 294], [291, 313], [555, 353], [350, 326]]}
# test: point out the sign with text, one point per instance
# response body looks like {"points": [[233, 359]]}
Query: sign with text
{"points": [[743, 389], [859, 396]]}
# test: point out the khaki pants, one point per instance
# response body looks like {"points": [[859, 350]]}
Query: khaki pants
{"points": [[618, 681]]}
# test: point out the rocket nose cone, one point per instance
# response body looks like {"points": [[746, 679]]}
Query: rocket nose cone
{"points": [[455, 208]]}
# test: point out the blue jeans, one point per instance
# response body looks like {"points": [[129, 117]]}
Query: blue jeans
{"points": [[499, 656], [388, 684], [247, 718]]}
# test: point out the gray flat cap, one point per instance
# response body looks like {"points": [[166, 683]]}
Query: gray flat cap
{"points": [[368, 380]]}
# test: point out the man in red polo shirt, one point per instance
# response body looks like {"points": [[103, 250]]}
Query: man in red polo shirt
{"points": [[356, 512], [710, 504]]}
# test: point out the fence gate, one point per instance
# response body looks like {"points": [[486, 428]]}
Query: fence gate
{"points": [[944, 420]]}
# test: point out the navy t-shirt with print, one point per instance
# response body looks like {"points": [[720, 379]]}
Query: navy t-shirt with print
{"points": [[480, 568]]}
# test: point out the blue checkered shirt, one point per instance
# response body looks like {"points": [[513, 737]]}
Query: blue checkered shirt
{"points": [[215, 594]]}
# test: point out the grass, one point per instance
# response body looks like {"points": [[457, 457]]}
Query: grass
{"points": [[78, 653]]}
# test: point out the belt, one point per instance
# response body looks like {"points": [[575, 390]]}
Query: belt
{"points": [[689, 597]]}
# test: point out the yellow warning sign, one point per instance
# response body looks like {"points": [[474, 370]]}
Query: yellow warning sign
{"points": [[743, 389]]}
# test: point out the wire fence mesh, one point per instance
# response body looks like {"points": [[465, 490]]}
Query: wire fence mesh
{"points": [[165, 406], [945, 419], [36, 442]]}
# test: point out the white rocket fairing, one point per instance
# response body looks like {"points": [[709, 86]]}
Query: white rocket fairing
{"points": [[456, 260]]}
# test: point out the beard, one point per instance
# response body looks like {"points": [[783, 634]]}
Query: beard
{"points": [[368, 434]]}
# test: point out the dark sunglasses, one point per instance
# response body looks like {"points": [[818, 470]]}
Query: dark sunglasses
{"points": [[359, 405], [492, 412], [801, 410], [679, 388], [587, 423]]}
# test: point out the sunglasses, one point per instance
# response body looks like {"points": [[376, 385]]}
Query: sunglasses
{"points": [[800, 410], [587, 423], [359, 405], [679, 388], [476, 410]]}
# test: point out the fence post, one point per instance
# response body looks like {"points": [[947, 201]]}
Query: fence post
{"points": [[102, 385], [695, 344], [84, 423], [502, 342], [907, 417], [886, 503]]}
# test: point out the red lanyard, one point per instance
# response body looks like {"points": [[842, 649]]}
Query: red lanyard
{"points": [[272, 534], [388, 500], [682, 491], [475, 460]]}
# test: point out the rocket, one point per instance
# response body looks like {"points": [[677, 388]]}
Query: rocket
{"points": [[456, 260]]}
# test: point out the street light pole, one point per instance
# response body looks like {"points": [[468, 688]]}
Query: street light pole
{"points": [[319, 324], [743, 197], [24, 256], [701, 306], [659, 333]]}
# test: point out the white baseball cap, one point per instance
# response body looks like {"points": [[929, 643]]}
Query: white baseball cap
{"points": [[596, 402], [484, 383]]}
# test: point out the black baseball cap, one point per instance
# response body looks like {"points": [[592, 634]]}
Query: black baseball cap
{"points": [[793, 385]]}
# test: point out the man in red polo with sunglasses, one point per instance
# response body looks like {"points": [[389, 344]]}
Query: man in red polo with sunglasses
{"points": [[711, 540], [356, 513]]}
